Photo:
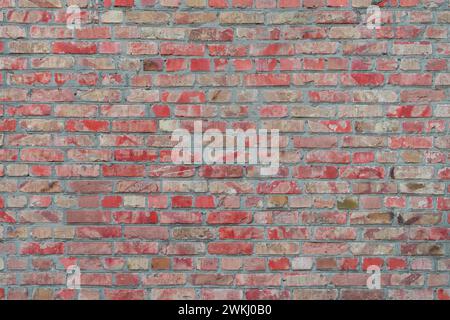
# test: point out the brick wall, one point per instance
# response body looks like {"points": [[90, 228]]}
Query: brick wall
{"points": [[87, 179]]}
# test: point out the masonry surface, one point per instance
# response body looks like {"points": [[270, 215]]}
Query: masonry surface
{"points": [[86, 177]]}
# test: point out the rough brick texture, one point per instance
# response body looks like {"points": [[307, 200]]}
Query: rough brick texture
{"points": [[86, 176]]}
